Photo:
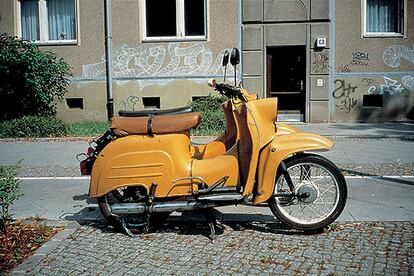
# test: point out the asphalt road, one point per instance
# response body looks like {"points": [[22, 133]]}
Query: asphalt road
{"points": [[390, 199], [374, 234], [359, 156], [370, 198]]}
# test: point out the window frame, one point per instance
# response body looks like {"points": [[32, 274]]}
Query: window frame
{"points": [[44, 27], [366, 34], [180, 21]]}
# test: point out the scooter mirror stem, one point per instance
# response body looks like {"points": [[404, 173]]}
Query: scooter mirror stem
{"points": [[225, 62], [235, 73]]}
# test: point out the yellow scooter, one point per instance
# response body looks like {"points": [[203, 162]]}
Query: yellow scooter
{"points": [[145, 167]]}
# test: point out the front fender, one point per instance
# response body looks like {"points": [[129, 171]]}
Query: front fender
{"points": [[278, 150]]}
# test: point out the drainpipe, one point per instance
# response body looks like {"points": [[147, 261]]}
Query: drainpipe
{"points": [[108, 58]]}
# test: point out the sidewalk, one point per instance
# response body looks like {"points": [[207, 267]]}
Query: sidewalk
{"points": [[255, 248], [253, 241], [374, 130]]}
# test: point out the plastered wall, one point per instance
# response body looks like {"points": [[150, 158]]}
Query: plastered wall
{"points": [[274, 23], [376, 68], [174, 71]]}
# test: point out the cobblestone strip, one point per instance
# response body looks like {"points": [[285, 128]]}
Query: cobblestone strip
{"points": [[47, 248], [383, 248]]}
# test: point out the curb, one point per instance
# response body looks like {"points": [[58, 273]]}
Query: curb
{"points": [[46, 248], [87, 139]]}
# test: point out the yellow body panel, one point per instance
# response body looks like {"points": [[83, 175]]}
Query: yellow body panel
{"points": [[249, 152], [283, 129], [264, 114], [210, 150], [278, 150], [143, 160], [215, 168]]}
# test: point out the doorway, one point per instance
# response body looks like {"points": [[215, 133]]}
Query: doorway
{"points": [[286, 80]]}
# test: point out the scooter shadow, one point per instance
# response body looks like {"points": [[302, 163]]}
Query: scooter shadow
{"points": [[195, 223]]}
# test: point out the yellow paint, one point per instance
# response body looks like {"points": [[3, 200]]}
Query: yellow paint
{"points": [[248, 153], [278, 150]]}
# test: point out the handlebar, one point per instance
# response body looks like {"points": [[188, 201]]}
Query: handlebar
{"points": [[228, 90]]}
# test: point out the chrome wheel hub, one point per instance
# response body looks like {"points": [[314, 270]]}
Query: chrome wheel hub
{"points": [[307, 192]]}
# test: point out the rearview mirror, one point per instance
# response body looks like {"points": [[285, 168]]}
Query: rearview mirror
{"points": [[235, 57], [226, 58]]}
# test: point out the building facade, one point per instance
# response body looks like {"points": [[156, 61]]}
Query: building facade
{"points": [[326, 60], [164, 51], [331, 60]]}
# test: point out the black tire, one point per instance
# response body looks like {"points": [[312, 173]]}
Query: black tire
{"points": [[301, 164]]}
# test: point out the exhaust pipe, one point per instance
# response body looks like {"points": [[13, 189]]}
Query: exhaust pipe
{"points": [[140, 208]]}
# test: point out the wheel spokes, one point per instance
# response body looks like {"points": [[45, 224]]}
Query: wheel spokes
{"points": [[317, 178]]}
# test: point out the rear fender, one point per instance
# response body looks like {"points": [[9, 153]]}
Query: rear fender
{"points": [[279, 149]]}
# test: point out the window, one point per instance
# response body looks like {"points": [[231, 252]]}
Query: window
{"points": [[174, 19], [48, 21], [383, 18]]}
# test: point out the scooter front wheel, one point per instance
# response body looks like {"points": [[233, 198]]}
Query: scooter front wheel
{"points": [[318, 197]]}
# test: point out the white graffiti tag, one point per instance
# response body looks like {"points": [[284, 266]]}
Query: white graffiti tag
{"points": [[391, 86], [392, 55], [157, 61], [408, 82]]}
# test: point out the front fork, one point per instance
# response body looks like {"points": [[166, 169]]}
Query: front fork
{"points": [[287, 198]]}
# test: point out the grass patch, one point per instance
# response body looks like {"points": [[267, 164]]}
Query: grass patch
{"points": [[90, 128], [33, 127], [213, 123]]}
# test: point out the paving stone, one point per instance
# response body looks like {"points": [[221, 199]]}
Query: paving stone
{"points": [[181, 248]]}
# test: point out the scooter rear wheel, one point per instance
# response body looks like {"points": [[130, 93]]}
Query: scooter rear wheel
{"points": [[320, 193]]}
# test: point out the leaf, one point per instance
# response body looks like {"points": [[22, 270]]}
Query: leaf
{"points": [[38, 240]]}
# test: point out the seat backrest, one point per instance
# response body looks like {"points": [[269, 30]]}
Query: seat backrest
{"points": [[248, 146], [230, 134]]}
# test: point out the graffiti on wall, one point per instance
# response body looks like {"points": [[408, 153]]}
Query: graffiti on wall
{"points": [[408, 82], [343, 68], [390, 86], [164, 62], [393, 55], [320, 62], [344, 94], [367, 81], [360, 58], [130, 103]]}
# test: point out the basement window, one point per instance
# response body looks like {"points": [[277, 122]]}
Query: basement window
{"points": [[151, 102], [74, 103], [372, 100]]}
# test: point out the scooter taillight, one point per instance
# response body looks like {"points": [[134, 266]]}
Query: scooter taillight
{"points": [[83, 168], [86, 164]]}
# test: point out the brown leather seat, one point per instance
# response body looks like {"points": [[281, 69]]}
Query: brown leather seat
{"points": [[123, 126]]}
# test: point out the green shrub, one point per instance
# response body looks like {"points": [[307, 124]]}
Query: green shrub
{"points": [[9, 190], [213, 121], [33, 126], [31, 80]]}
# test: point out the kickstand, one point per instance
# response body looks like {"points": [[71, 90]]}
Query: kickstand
{"points": [[121, 224], [212, 222], [124, 226]]}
